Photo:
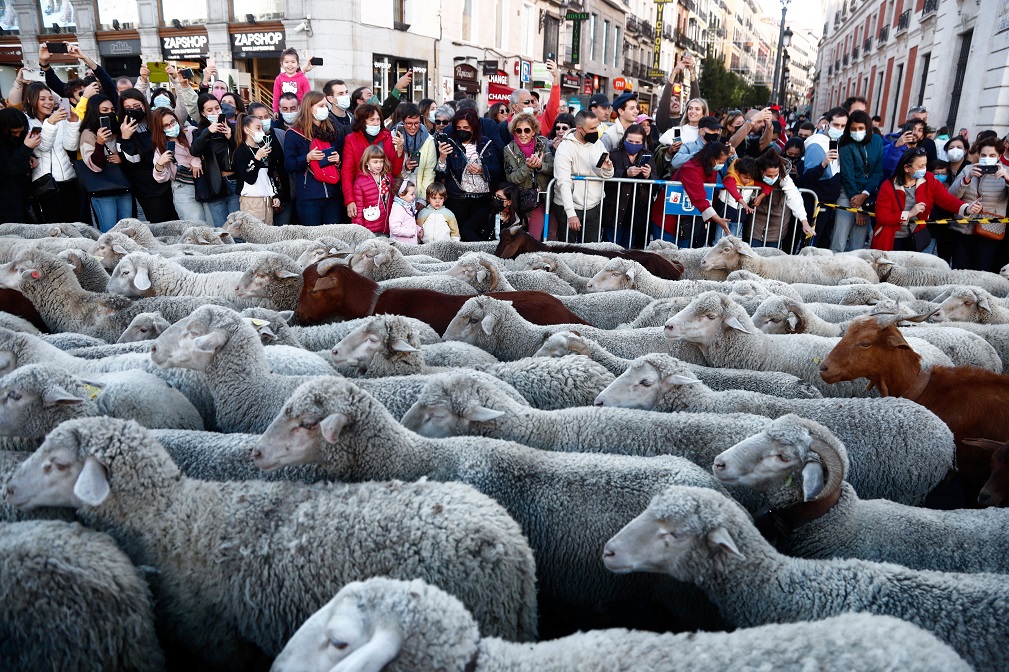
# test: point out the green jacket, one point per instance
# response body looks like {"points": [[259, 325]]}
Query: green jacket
{"points": [[519, 174]]}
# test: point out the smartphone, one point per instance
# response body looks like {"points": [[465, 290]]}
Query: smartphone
{"points": [[832, 145], [602, 160], [644, 159], [187, 73], [58, 47], [315, 60], [989, 170], [329, 154], [676, 132], [170, 146], [550, 55], [415, 156], [105, 122], [440, 137], [35, 131], [33, 75]]}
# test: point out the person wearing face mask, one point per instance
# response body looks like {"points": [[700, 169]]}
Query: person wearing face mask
{"points": [[427, 108], [504, 210], [708, 132], [291, 79], [910, 197], [313, 149], [289, 107], [367, 131], [99, 170], [257, 170], [956, 154], [579, 154], [861, 157], [781, 202], [16, 147], [625, 206], [468, 164], [177, 167], [986, 186], [365, 94], [214, 143], [338, 97], [703, 168], [180, 98], [822, 171], [276, 140]]}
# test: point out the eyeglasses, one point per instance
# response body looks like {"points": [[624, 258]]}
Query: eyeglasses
{"points": [[442, 122], [523, 131], [732, 112]]}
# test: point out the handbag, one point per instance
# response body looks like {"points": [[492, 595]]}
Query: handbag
{"points": [[329, 173], [111, 179], [992, 230], [371, 213], [43, 187], [922, 237]]}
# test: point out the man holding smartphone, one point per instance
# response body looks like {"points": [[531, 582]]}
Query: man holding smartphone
{"points": [[582, 154], [414, 136]]}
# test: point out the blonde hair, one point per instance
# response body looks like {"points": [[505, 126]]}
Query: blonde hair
{"points": [[375, 152], [700, 101], [526, 118]]}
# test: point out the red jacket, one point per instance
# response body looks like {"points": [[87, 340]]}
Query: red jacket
{"points": [[691, 174], [353, 150], [889, 207], [367, 193]]}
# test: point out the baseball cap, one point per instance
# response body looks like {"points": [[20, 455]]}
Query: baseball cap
{"points": [[623, 99], [709, 123], [599, 100], [643, 117]]}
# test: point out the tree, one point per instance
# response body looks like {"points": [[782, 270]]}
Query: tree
{"points": [[726, 90]]}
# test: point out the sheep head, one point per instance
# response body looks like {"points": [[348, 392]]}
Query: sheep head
{"points": [[797, 459], [563, 343], [371, 255], [192, 342], [378, 620], [681, 533], [205, 235], [274, 269], [963, 304], [476, 270], [476, 320], [144, 327], [451, 404], [616, 274], [996, 489], [112, 246], [706, 319], [543, 262], [38, 397], [239, 223], [132, 276], [385, 334], [648, 380], [728, 255]]}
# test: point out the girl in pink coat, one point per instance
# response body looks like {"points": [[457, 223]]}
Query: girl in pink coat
{"points": [[403, 215], [373, 191]]}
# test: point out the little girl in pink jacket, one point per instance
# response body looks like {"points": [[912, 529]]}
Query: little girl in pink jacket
{"points": [[403, 215]]}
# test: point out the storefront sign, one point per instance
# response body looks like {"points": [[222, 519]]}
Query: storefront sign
{"points": [[587, 89], [526, 72], [498, 90], [178, 47], [489, 67], [258, 43], [570, 81], [11, 53], [464, 72], [619, 84], [119, 48]]}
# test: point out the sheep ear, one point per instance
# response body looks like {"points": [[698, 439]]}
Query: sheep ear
{"points": [[720, 538], [488, 323], [286, 315], [380, 650], [793, 321], [812, 481], [734, 323], [382, 258], [630, 274], [119, 249], [332, 425], [59, 396], [92, 486], [481, 414], [142, 280], [401, 345], [983, 304], [284, 274], [747, 251], [679, 379], [209, 342]]}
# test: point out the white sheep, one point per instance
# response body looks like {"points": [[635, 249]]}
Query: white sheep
{"points": [[486, 273], [240, 565], [113, 246], [144, 327], [904, 258], [892, 272], [699, 535], [627, 274], [567, 503], [554, 263], [733, 254], [379, 260], [71, 600], [851, 295], [139, 274], [800, 466], [205, 235], [724, 333], [900, 450], [248, 228], [607, 310], [690, 258], [410, 625], [88, 268], [970, 304]]}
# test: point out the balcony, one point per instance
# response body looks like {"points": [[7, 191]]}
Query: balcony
{"points": [[931, 6], [633, 27], [837, 66], [903, 22], [845, 60], [647, 31], [667, 33], [884, 34], [867, 45]]}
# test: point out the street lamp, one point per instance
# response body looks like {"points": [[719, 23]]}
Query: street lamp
{"points": [[785, 60], [781, 46]]}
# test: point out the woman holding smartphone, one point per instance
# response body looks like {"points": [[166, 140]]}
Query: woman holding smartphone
{"points": [[58, 197], [258, 178], [100, 153], [985, 185], [312, 158], [214, 144], [138, 158], [174, 164], [529, 164]]}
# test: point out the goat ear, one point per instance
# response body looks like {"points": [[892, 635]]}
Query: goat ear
{"points": [[481, 414], [332, 425], [326, 282], [488, 323], [401, 345], [812, 481], [894, 339], [209, 342], [735, 323], [60, 396], [983, 304], [142, 280], [679, 379], [284, 274], [92, 485], [720, 539]]}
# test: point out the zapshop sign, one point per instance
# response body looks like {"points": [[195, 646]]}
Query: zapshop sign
{"points": [[259, 43], [184, 46]]}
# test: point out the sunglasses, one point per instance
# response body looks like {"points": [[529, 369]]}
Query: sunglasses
{"points": [[523, 131], [440, 122], [562, 129]]}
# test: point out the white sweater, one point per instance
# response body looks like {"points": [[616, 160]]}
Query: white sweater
{"points": [[52, 153], [578, 158]]}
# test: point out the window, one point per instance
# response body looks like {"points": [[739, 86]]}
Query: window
{"points": [[924, 77], [606, 40], [501, 23], [261, 10], [593, 21], [896, 96], [124, 12], [399, 11], [961, 71], [879, 90], [186, 12], [467, 20], [616, 47], [56, 16], [386, 70], [551, 33], [528, 29]]}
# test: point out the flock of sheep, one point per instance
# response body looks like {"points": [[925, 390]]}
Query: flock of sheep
{"points": [[194, 482]]}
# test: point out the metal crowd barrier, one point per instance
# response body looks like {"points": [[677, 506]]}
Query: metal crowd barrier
{"points": [[627, 214]]}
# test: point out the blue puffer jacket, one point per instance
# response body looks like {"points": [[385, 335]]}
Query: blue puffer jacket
{"points": [[296, 164]]}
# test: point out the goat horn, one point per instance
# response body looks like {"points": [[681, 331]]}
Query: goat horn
{"points": [[327, 265], [886, 320]]}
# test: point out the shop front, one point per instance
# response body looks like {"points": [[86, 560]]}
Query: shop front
{"points": [[11, 57], [186, 48], [120, 56], [498, 90], [257, 52], [387, 70], [465, 80]]}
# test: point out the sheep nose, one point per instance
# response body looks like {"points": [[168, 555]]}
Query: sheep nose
{"points": [[608, 553], [597, 402], [154, 347], [719, 465]]}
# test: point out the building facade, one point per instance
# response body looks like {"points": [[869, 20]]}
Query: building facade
{"points": [[950, 57]]}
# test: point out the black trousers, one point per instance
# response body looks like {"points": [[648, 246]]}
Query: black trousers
{"points": [[974, 252], [64, 205], [158, 208], [472, 215]]}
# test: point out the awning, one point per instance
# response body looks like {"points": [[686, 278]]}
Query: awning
{"points": [[498, 93]]}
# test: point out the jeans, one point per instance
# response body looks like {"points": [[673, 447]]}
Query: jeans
{"points": [[108, 210], [186, 205], [234, 204], [316, 211], [216, 211], [847, 235], [285, 215], [735, 229]]}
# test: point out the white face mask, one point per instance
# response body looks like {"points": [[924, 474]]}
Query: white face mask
{"points": [[529, 110], [834, 133], [343, 102], [431, 117], [289, 117], [858, 136], [320, 113], [955, 154], [373, 130], [719, 166], [257, 136], [987, 161]]}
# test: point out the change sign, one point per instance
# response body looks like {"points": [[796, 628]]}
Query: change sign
{"points": [[258, 43]]}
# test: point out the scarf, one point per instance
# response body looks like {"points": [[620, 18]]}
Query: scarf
{"points": [[527, 149], [324, 135], [409, 206]]}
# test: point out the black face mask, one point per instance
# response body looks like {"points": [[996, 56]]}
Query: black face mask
{"points": [[135, 115], [463, 136], [497, 204], [592, 137], [711, 137]]}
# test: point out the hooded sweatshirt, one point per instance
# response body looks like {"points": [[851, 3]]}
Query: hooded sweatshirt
{"points": [[574, 157]]}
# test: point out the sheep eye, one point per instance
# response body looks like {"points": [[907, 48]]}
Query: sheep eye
{"points": [[61, 467], [13, 395], [308, 424], [711, 317], [143, 330], [783, 458], [473, 320], [646, 383], [336, 644]]}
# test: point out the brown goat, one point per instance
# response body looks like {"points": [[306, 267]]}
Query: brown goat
{"points": [[971, 401], [332, 289], [996, 490], [14, 302], [515, 241]]}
